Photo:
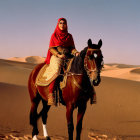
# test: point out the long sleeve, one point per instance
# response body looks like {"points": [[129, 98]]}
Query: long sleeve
{"points": [[54, 51], [74, 51]]}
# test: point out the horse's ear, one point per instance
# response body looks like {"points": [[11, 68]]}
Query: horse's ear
{"points": [[89, 42], [100, 43]]}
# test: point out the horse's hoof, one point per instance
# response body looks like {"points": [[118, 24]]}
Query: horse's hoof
{"points": [[48, 138]]}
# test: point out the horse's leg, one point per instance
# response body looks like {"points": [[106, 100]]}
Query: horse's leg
{"points": [[44, 118], [80, 115], [69, 115], [34, 115]]}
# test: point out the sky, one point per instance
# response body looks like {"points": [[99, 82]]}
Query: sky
{"points": [[26, 27]]}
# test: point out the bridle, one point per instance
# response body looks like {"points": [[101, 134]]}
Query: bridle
{"points": [[90, 51], [88, 71]]}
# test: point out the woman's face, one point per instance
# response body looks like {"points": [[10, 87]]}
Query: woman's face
{"points": [[62, 25]]}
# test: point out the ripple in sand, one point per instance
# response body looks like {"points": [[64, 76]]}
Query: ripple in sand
{"points": [[27, 137], [99, 136]]}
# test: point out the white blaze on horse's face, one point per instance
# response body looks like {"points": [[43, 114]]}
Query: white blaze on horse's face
{"points": [[95, 55]]}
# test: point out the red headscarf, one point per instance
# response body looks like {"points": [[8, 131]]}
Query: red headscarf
{"points": [[59, 38]]}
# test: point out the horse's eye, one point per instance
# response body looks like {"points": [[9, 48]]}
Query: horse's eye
{"points": [[95, 55]]}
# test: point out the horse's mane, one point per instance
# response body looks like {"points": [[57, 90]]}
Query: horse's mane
{"points": [[78, 62]]}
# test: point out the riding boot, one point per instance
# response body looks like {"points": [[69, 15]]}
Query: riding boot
{"points": [[50, 94], [50, 99]]}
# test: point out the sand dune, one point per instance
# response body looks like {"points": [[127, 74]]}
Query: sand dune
{"points": [[122, 65], [122, 72], [116, 114], [28, 59], [137, 71], [14, 72]]}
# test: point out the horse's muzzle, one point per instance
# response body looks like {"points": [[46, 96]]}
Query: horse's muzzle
{"points": [[97, 81]]}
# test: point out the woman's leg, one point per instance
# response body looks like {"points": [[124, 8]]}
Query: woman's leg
{"points": [[56, 63]]}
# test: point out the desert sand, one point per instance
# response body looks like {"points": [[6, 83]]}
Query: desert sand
{"points": [[116, 115]]}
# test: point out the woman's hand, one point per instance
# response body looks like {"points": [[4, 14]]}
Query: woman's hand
{"points": [[62, 56], [77, 54]]}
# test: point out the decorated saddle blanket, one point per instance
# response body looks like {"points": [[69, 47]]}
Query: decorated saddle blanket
{"points": [[49, 72]]}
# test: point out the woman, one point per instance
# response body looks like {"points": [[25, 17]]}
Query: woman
{"points": [[61, 45]]}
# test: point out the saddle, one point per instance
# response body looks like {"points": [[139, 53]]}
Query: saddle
{"points": [[61, 79]]}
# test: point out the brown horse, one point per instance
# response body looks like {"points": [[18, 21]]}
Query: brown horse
{"points": [[84, 73]]}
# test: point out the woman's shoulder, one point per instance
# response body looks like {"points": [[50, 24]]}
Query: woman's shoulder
{"points": [[70, 34]]}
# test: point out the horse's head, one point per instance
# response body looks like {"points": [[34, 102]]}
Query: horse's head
{"points": [[93, 62]]}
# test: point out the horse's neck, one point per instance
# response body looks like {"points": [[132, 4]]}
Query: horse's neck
{"points": [[80, 78], [77, 66]]}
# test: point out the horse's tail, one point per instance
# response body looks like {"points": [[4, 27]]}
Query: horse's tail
{"points": [[31, 81]]}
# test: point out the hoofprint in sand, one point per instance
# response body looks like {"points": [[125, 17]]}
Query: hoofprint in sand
{"points": [[91, 136], [28, 137]]}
